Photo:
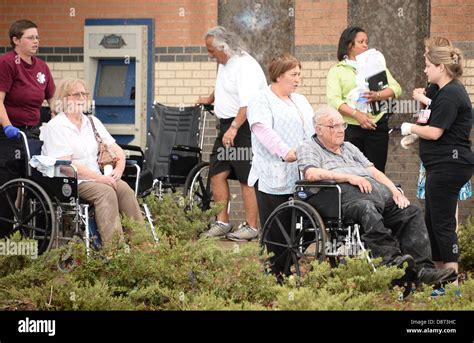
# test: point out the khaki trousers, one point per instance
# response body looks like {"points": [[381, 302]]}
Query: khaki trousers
{"points": [[109, 203]]}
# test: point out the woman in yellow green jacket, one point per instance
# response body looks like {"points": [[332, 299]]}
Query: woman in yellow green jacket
{"points": [[366, 131]]}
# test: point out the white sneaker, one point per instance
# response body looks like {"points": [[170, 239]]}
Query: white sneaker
{"points": [[217, 230], [243, 233]]}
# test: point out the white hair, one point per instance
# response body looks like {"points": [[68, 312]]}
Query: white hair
{"points": [[322, 112], [226, 41]]}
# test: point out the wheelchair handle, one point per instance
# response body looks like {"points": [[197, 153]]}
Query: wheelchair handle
{"points": [[208, 108], [315, 183]]}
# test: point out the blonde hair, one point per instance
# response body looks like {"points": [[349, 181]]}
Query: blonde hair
{"points": [[432, 42], [449, 56], [62, 91]]}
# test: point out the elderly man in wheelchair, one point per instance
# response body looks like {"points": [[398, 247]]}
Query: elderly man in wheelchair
{"points": [[391, 228]]}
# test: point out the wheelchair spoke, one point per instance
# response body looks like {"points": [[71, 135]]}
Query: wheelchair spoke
{"points": [[198, 195], [201, 184], [294, 219], [286, 268], [12, 205], [277, 244], [283, 231], [301, 235], [7, 220], [32, 228], [31, 215]]}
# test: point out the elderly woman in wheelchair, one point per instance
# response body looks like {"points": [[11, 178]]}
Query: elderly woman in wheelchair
{"points": [[345, 190], [70, 136]]}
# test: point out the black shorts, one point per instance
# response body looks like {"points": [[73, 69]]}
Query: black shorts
{"points": [[238, 158]]}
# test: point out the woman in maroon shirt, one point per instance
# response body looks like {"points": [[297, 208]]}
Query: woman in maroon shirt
{"points": [[25, 82]]}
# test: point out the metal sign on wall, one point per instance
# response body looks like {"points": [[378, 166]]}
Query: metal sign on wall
{"points": [[112, 41]]}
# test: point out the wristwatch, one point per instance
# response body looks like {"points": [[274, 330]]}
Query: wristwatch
{"points": [[234, 125]]}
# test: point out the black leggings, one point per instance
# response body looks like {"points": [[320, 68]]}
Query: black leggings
{"points": [[443, 183], [267, 203]]}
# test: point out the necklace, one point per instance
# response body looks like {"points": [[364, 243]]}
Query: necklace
{"points": [[298, 110]]}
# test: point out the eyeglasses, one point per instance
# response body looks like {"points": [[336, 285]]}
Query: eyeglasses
{"points": [[79, 94], [342, 126], [32, 38]]}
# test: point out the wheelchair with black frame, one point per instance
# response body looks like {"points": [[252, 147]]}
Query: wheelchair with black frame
{"points": [[49, 209], [173, 155], [313, 228]]}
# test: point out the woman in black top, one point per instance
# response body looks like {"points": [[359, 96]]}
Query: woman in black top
{"points": [[445, 150]]}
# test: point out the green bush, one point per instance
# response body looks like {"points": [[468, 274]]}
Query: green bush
{"points": [[466, 246], [183, 272]]}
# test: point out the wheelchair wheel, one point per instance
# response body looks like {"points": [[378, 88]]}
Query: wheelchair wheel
{"points": [[300, 237], [198, 186], [32, 212]]}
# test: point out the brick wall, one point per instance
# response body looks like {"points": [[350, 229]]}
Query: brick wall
{"points": [[452, 19], [63, 71], [319, 22], [61, 22], [182, 83]]}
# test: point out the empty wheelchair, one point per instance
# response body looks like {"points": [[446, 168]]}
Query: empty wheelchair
{"points": [[173, 155]]}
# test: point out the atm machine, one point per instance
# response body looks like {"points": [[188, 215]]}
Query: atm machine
{"points": [[119, 68]]}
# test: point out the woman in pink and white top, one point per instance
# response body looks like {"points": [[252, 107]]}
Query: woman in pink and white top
{"points": [[280, 120]]}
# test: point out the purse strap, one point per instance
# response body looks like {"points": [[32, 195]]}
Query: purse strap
{"points": [[96, 134]]}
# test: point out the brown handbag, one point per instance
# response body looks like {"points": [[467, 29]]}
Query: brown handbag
{"points": [[105, 156]]}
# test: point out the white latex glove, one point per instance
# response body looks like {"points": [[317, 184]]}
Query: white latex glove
{"points": [[408, 140], [406, 129]]}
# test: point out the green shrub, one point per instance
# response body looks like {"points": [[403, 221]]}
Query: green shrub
{"points": [[186, 273], [466, 246]]}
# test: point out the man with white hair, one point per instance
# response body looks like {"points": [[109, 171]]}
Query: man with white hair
{"points": [[391, 228], [239, 77]]}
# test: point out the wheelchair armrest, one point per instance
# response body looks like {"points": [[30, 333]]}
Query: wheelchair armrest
{"points": [[316, 183], [130, 162], [399, 187], [186, 148], [63, 162], [131, 148], [69, 164]]}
